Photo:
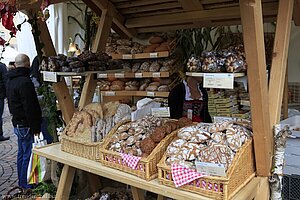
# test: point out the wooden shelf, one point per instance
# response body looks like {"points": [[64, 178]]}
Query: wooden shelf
{"points": [[134, 75], [162, 54], [201, 74], [134, 93]]}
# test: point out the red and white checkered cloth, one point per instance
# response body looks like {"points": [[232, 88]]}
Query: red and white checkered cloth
{"points": [[130, 160], [182, 176]]}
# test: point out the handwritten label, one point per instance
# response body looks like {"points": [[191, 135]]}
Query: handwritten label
{"points": [[127, 56], [110, 93], [156, 74], [50, 76], [161, 112], [119, 75], [210, 169], [151, 94], [102, 75], [138, 75], [154, 55], [218, 80]]}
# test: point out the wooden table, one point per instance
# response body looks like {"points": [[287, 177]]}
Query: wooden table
{"points": [[72, 162]]}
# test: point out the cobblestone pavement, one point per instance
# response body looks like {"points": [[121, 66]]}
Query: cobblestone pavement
{"points": [[8, 156]]}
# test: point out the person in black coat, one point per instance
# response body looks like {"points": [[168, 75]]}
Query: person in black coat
{"points": [[189, 99], [3, 72]]}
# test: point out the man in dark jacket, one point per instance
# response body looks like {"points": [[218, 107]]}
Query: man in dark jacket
{"points": [[3, 72], [26, 113]]}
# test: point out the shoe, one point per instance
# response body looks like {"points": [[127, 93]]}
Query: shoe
{"points": [[2, 138]]}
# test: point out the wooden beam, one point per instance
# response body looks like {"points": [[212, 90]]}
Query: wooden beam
{"points": [[45, 37], [88, 91], [296, 15], [253, 34], [279, 61], [137, 193], [130, 4], [286, 97], [191, 5], [65, 183], [64, 99], [270, 9], [102, 32], [149, 8]]}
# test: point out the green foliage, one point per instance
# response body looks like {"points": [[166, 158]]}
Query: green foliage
{"points": [[43, 188]]}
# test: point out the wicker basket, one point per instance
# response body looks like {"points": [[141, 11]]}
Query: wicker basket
{"points": [[240, 172], [147, 167]]}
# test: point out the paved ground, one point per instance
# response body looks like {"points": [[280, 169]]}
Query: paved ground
{"points": [[8, 156]]}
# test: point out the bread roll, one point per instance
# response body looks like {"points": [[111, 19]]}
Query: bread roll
{"points": [[156, 40]]}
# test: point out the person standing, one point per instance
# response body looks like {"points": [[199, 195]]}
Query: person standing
{"points": [[3, 72], [26, 113]]}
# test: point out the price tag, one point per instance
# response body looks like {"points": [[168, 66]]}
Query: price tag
{"points": [[119, 75], [127, 56], [110, 93], [161, 112], [138, 75], [210, 169], [218, 80], [50, 76], [154, 55], [190, 114], [102, 75], [151, 94], [156, 74]]}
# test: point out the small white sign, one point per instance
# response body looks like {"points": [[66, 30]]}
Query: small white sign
{"points": [[161, 112], [151, 94], [110, 93], [218, 80], [154, 55], [156, 74], [210, 169], [50, 76], [127, 56], [138, 75], [102, 75], [119, 75]]}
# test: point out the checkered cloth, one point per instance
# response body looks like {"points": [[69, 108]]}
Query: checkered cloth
{"points": [[130, 160], [182, 176]]}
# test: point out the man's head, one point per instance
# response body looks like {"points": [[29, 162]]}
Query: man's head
{"points": [[22, 60]]}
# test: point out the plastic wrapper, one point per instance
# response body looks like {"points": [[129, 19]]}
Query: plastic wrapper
{"points": [[194, 64]]}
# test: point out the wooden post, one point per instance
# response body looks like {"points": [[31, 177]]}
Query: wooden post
{"points": [[279, 62], [103, 31], [251, 15], [137, 194], [65, 183], [88, 91], [286, 97], [45, 37], [64, 99]]}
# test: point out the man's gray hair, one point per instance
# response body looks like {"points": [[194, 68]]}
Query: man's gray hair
{"points": [[22, 60]]}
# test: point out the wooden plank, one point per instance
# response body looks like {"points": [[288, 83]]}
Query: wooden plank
{"points": [[296, 15], [160, 197], [263, 191], [162, 54], [137, 194], [134, 93], [251, 14], [134, 75], [45, 37], [286, 97], [279, 61], [64, 99], [65, 183], [191, 16], [88, 91], [102, 32], [154, 13], [129, 4], [191, 5], [149, 8]]}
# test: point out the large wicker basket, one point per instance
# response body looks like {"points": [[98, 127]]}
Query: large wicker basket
{"points": [[147, 167], [240, 172]]}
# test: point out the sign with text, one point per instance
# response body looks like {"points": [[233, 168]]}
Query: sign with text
{"points": [[161, 112], [50, 76], [218, 80], [210, 169]]}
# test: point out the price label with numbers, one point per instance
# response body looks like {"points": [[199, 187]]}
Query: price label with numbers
{"points": [[218, 80], [210, 169], [119, 75], [110, 93], [102, 75], [161, 112], [138, 75], [154, 55], [151, 94], [127, 56], [50, 76], [156, 74]]}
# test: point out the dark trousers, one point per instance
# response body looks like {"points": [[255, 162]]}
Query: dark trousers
{"points": [[1, 113]]}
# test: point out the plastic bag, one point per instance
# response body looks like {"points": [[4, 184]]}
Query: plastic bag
{"points": [[37, 165]]}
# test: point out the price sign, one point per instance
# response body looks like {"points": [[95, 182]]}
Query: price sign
{"points": [[138, 75], [151, 94], [127, 56], [102, 75], [110, 93], [154, 55], [50, 76], [218, 80], [119, 75], [156, 74], [161, 112], [210, 169]]}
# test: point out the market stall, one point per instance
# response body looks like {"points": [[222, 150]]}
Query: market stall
{"points": [[130, 17]]}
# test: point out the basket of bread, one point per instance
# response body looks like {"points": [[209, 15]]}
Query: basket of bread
{"points": [[138, 146], [84, 134], [223, 149]]}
